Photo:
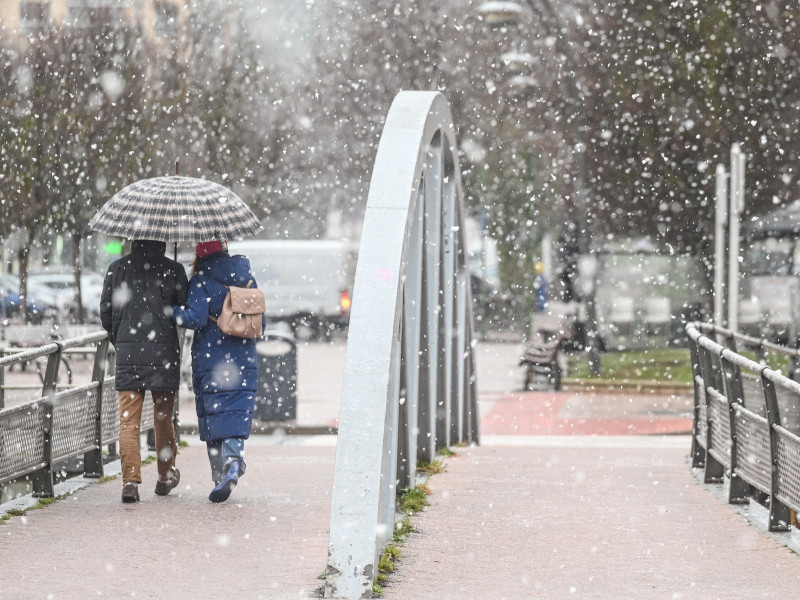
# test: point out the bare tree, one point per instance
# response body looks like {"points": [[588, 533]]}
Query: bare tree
{"points": [[219, 108], [670, 88], [77, 114]]}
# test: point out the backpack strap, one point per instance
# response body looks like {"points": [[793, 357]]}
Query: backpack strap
{"points": [[227, 287]]}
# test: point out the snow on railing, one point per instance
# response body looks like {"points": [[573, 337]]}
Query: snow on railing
{"points": [[746, 419], [409, 386]]}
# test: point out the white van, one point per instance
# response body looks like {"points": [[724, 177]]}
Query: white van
{"points": [[307, 283]]}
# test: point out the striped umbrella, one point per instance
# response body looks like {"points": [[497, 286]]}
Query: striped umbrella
{"points": [[176, 209]]}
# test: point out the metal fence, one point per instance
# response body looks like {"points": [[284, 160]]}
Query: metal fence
{"points": [[38, 436], [746, 419]]}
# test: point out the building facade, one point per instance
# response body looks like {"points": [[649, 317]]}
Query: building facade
{"points": [[156, 19]]}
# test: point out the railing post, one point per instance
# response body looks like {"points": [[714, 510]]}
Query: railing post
{"points": [[42, 481], [93, 460], [698, 453], [715, 470], [779, 514], [2, 385], [51, 372], [738, 490], [111, 369], [794, 365]]}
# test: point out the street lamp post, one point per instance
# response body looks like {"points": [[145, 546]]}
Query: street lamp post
{"points": [[507, 13]]}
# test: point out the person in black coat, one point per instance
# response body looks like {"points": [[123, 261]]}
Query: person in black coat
{"points": [[136, 310]]}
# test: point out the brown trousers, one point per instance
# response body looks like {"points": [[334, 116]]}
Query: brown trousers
{"points": [[130, 419]]}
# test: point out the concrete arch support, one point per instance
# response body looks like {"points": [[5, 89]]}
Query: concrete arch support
{"points": [[409, 381]]}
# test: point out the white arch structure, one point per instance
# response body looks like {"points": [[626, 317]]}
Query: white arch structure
{"points": [[409, 379]]}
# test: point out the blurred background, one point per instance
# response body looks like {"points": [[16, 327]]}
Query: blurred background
{"points": [[589, 136]]}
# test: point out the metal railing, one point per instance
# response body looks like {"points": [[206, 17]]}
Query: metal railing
{"points": [[746, 420], [37, 436], [409, 384]]}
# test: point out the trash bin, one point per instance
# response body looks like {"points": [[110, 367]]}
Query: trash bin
{"points": [[277, 377]]}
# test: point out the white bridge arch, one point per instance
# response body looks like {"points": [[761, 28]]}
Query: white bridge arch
{"points": [[409, 381]]}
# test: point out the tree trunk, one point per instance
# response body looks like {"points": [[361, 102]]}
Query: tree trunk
{"points": [[77, 267], [24, 255]]}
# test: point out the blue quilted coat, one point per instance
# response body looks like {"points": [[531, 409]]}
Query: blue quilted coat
{"points": [[224, 367]]}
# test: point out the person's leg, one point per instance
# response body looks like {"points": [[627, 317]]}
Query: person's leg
{"points": [[130, 417], [233, 449], [166, 443], [233, 459], [214, 449]]}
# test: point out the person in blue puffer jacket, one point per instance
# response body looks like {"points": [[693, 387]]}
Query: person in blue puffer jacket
{"points": [[224, 367]]}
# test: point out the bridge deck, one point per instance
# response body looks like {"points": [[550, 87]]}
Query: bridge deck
{"points": [[578, 517], [268, 541], [554, 517], [527, 515]]}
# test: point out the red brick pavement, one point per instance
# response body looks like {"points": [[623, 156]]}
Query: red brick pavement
{"points": [[571, 413]]}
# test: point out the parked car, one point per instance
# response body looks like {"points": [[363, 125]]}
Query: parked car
{"points": [[307, 283], [41, 302], [61, 283]]}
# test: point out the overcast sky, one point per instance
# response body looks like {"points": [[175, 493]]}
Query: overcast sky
{"points": [[284, 28]]}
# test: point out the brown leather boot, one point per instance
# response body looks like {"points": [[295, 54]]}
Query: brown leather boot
{"points": [[130, 493], [165, 487]]}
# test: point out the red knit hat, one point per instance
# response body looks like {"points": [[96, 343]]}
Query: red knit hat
{"points": [[203, 249]]}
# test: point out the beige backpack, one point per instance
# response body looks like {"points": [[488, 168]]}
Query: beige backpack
{"points": [[242, 312]]}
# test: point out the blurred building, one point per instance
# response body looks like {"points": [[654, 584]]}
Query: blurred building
{"points": [[159, 21]]}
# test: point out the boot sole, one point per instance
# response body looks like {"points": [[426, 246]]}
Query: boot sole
{"points": [[223, 493], [162, 489], [165, 487]]}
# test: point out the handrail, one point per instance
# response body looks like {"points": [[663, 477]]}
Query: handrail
{"points": [[746, 421], [37, 436], [409, 387], [760, 344], [26, 355]]}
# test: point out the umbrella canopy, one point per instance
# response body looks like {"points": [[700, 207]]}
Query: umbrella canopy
{"points": [[176, 209]]}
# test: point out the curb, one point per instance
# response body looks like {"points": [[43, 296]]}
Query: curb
{"points": [[638, 387], [273, 428], [63, 488]]}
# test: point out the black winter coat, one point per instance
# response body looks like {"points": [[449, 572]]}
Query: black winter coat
{"points": [[135, 309]]}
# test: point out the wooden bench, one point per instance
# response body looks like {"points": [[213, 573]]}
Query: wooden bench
{"points": [[542, 359]]}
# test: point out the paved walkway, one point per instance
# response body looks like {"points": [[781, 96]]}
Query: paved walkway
{"points": [[528, 514], [595, 518], [268, 541]]}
